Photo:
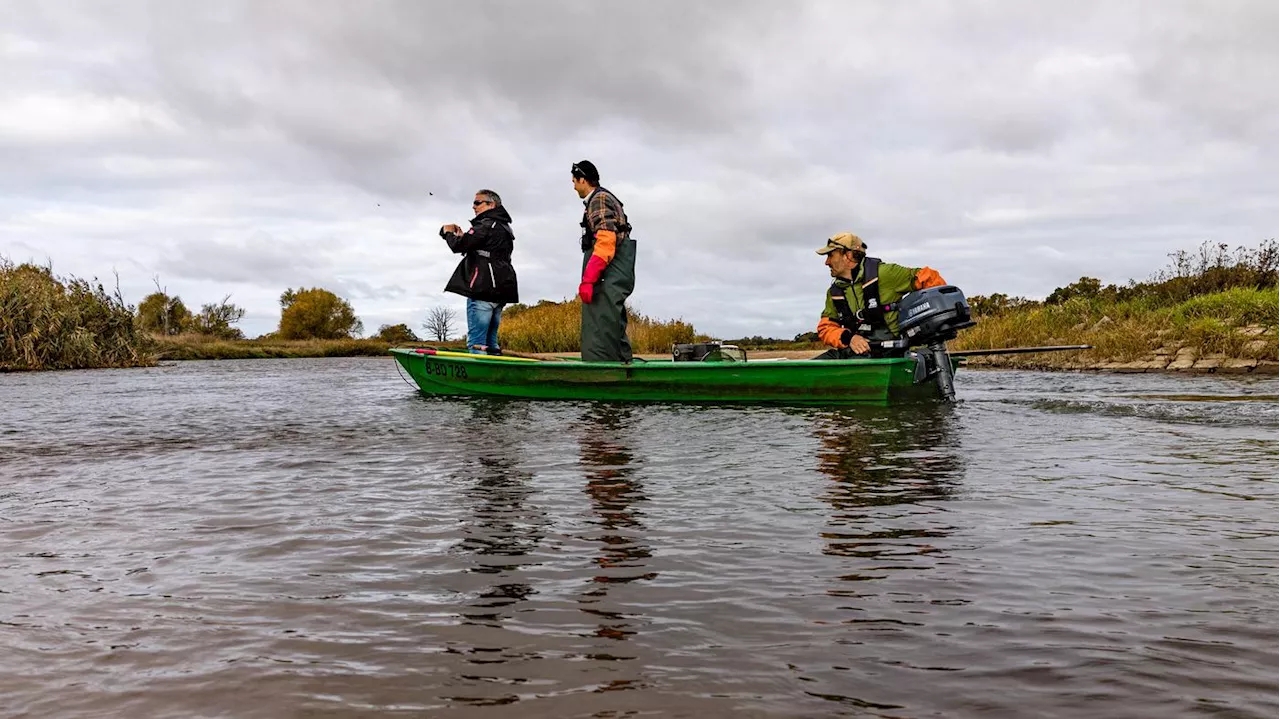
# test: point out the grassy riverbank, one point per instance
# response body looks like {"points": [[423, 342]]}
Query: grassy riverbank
{"points": [[202, 347], [1209, 311], [549, 327], [1212, 310], [1234, 330]]}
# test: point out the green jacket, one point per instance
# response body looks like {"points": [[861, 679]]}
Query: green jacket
{"points": [[895, 281]]}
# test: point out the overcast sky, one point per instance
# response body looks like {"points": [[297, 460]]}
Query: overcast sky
{"points": [[243, 148]]}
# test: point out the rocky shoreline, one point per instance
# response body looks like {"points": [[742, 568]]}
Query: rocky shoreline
{"points": [[1175, 357], [1181, 362]]}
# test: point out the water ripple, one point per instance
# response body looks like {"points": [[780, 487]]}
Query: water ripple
{"points": [[310, 538]]}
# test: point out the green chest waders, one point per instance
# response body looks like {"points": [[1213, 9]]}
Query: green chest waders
{"points": [[604, 320]]}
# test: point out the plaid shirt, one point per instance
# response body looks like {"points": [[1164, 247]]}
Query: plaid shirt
{"points": [[603, 211]]}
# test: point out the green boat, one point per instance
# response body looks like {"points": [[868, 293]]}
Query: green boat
{"points": [[914, 367], [822, 382]]}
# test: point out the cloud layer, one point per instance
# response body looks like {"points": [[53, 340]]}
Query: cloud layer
{"points": [[247, 147]]}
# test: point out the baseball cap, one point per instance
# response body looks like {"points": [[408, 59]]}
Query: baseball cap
{"points": [[843, 241]]}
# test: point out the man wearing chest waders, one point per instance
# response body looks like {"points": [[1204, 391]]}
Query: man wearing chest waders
{"points": [[862, 302], [608, 269]]}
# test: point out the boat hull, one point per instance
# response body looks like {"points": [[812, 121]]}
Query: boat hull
{"points": [[825, 382]]}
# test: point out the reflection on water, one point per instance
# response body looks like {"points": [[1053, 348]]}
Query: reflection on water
{"points": [[889, 474], [616, 497], [500, 529], [879, 456], [877, 459], [289, 538]]}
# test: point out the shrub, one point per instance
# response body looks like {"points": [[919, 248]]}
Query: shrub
{"points": [[158, 313], [396, 334], [316, 314], [215, 320]]}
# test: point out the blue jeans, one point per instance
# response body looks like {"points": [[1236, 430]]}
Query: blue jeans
{"points": [[482, 324]]}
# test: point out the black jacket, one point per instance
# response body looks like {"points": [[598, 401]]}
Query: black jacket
{"points": [[485, 272]]}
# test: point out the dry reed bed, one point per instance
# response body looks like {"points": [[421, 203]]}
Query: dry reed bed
{"points": [[51, 322]]}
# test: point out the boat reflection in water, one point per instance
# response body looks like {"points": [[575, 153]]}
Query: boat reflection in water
{"points": [[880, 457], [891, 474], [530, 584], [502, 530], [887, 468], [617, 498]]}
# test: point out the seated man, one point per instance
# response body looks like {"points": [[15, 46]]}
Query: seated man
{"points": [[862, 303]]}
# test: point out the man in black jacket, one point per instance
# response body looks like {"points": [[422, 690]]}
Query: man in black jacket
{"points": [[485, 275]]}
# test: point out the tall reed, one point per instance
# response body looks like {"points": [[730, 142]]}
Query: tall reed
{"points": [[51, 322], [557, 327]]}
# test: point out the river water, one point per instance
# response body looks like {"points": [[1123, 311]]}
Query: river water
{"points": [[311, 538]]}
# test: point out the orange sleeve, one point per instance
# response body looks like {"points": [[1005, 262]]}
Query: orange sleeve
{"points": [[829, 332], [927, 277], [606, 245]]}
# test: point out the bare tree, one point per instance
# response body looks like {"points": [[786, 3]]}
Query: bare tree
{"points": [[440, 323], [158, 312], [169, 301]]}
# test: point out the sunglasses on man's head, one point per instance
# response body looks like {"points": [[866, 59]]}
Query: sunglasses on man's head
{"points": [[478, 203]]}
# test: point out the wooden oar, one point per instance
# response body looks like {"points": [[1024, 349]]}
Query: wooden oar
{"points": [[467, 355], [509, 353]]}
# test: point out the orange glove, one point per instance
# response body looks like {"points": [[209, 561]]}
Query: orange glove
{"points": [[927, 277], [829, 333]]}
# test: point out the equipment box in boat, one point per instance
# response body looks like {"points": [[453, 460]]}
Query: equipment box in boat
{"points": [[707, 352]]}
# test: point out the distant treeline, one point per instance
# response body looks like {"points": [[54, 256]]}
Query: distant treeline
{"points": [[305, 313], [1216, 300]]}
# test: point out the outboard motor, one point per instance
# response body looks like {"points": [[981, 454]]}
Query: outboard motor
{"points": [[929, 318]]}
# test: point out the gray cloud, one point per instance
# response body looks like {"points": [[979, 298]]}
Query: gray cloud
{"points": [[255, 146]]}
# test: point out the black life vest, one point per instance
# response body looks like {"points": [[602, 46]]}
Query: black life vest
{"points": [[588, 237], [870, 318]]}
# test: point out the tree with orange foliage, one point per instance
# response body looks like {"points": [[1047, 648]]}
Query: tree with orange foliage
{"points": [[317, 314]]}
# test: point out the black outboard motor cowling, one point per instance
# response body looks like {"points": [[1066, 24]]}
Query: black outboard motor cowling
{"points": [[931, 317], [934, 313]]}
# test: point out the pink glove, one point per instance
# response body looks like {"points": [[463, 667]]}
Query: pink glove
{"points": [[590, 276]]}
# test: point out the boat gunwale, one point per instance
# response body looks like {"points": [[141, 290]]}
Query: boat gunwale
{"points": [[656, 364]]}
